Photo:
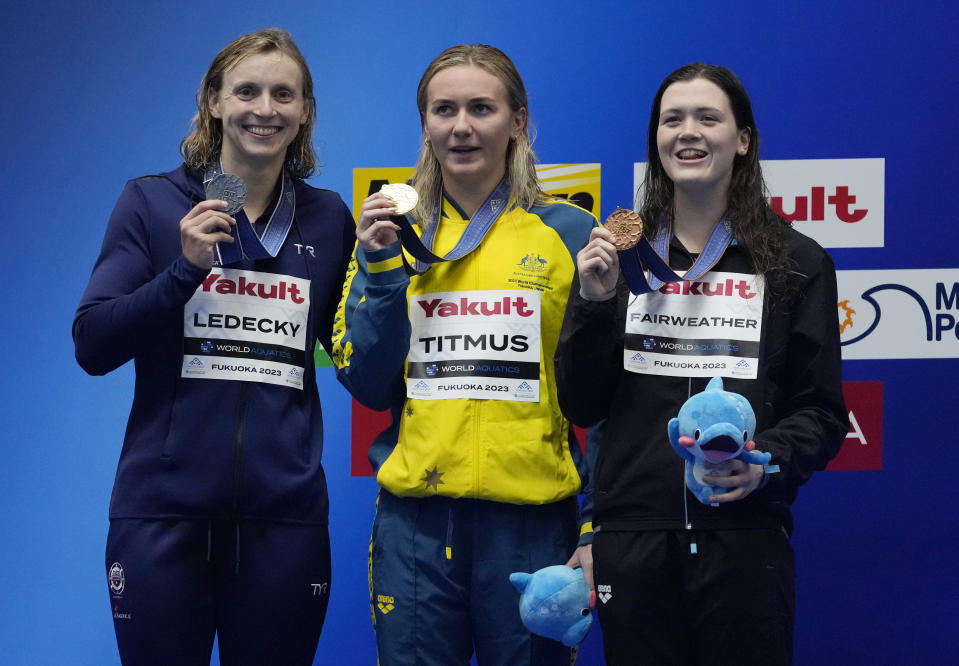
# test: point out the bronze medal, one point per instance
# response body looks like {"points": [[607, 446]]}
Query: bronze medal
{"points": [[626, 226]]}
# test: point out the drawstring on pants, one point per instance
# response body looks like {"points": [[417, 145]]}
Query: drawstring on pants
{"points": [[449, 536], [237, 568], [209, 545]]}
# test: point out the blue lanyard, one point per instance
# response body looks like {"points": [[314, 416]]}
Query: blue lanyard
{"points": [[246, 243], [421, 247], [649, 255]]}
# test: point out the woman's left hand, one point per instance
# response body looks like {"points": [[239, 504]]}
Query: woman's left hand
{"points": [[737, 477]]}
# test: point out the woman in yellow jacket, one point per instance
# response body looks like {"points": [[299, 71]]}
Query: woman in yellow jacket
{"points": [[478, 470]]}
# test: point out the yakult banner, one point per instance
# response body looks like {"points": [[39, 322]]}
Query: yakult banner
{"points": [[838, 203], [887, 314]]}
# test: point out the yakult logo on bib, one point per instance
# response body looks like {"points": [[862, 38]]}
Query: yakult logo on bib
{"points": [[727, 287], [465, 306], [278, 289]]}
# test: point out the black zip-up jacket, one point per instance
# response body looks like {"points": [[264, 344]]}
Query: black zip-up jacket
{"points": [[801, 418], [208, 448]]}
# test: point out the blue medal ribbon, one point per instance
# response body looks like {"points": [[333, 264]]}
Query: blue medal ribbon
{"points": [[421, 247], [247, 244], [647, 255]]}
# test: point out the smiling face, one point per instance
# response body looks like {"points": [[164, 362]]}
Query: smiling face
{"points": [[697, 137], [262, 108], [469, 124]]}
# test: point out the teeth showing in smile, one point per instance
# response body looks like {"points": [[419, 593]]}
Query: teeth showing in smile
{"points": [[691, 154], [262, 131]]}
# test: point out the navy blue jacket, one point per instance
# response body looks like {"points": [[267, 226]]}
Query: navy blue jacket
{"points": [[204, 448]]}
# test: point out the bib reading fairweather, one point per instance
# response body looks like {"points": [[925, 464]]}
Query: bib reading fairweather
{"points": [[475, 344], [700, 328], [246, 325]]}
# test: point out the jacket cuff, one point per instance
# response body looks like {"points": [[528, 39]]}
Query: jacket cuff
{"points": [[385, 266], [585, 535]]}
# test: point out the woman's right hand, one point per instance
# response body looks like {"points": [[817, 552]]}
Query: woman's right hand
{"points": [[598, 266], [374, 228], [202, 228]]}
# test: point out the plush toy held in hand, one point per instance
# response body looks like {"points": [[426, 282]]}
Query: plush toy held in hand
{"points": [[713, 426], [555, 603]]}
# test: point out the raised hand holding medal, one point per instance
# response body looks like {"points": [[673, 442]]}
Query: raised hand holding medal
{"points": [[374, 228], [598, 262], [208, 223]]}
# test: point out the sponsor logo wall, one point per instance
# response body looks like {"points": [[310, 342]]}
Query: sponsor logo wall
{"points": [[839, 203], [892, 314]]}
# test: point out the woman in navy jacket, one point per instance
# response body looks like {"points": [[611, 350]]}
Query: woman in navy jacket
{"points": [[218, 520]]}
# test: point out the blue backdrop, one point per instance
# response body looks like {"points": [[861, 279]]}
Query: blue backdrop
{"points": [[93, 96]]}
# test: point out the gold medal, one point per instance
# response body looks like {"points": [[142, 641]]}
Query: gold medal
{"points": [[402, 195], [626, 226]]}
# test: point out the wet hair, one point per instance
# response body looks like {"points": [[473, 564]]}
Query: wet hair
{"points": [[754, 224], [203, 143], [524, 188]]}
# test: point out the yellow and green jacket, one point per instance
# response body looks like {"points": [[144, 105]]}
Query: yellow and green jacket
{"points": [[516, 452]]}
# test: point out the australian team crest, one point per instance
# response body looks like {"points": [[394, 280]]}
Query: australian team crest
{"points": [[533, 262]]}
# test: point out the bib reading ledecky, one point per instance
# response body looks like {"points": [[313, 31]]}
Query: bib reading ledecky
{"points": [[475, 344], [706, 327], [247, 325]]}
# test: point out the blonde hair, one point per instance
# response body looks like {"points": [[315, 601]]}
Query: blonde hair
{"points": [[202, 144], [524, 187]]}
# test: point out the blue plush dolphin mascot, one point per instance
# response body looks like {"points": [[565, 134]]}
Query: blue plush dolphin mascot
{"points": [[555, 602], [713, 426]]}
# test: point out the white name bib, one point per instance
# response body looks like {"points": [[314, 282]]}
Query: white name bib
{"points": [[702, 328], [248, 326], [475, 344]]}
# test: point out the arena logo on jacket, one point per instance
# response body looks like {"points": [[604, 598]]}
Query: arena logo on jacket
{"points": [[886, 314], [837, 203], [247, 325]]}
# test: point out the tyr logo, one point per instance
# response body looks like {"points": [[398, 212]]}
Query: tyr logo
{"points": [[300, 247]]}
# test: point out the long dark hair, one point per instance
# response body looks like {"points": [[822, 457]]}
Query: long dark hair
{"points": [[756, 227]]}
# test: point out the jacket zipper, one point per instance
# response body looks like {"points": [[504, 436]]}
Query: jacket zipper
{"points": [[238, 446], [693, 548]]}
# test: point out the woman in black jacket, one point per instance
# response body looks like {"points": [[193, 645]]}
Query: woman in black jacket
{"points": [[677, 581]]}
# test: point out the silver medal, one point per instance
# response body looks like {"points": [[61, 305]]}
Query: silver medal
{"points": [[229, 188]]}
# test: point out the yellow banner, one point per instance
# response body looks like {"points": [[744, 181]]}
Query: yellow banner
{"points": [[576, 182]]}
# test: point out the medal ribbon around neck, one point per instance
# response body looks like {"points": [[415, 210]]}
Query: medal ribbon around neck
{"points": [[422, 247], [648, 255], [246, 243]]}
